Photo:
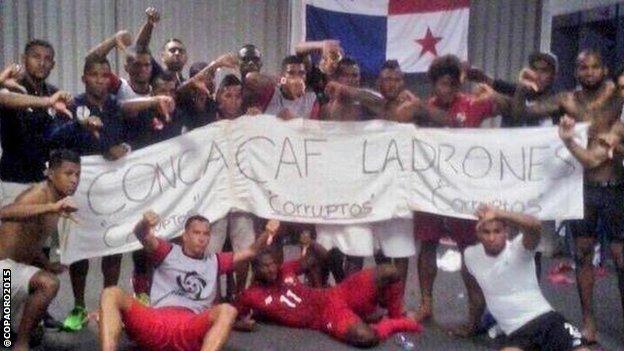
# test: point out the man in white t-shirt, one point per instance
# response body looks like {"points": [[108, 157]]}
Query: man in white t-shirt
{"points": [[505, 271], [181, 316], [289, 99]]}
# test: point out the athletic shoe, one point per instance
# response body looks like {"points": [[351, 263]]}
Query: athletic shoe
{"points": [[76, 320]]}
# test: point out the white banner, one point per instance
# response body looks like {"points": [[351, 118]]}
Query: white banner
{"points": [[320, 172]]}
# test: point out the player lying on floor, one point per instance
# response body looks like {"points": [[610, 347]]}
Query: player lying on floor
{"points": [[277, 295]]}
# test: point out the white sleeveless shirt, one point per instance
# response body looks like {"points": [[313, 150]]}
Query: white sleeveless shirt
{"points": [[182, 281]]}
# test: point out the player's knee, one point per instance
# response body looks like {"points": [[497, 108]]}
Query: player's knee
{"points": [[511, 349], [46, 283], [363, 336]]}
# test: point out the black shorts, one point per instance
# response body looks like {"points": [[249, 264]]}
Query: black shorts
{"points": [[549, 331], [603, 204]]}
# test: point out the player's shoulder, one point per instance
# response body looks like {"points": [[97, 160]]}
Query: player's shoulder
{"points": [[36, 194]]}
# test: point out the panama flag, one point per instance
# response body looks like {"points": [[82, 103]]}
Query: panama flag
{"points": [[414, 32]]}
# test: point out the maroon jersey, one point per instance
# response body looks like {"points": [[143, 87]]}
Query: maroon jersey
{"points": [[288, 302]]}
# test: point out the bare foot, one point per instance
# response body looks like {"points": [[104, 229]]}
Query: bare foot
{"points": [[589, 329], [424, 313]]}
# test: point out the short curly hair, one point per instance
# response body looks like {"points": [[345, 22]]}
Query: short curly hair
{"points": [[445, 65]]}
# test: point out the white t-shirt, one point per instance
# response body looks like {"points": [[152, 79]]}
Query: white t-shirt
{"points": [[182, 281], [300, 107], [509, 283], [125, 91]]}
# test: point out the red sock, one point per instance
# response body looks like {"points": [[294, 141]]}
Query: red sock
{"points": [[141, 283], [389, 326], [393, 299]]}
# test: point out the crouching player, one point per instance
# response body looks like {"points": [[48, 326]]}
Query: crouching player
{"points": [[505, 270]]}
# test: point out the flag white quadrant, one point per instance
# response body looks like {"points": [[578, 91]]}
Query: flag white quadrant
{"points": [[416, 39]]}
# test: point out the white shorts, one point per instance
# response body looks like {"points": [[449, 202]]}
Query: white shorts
{"points": [[350, 239], [21, 274], [239, 226], [395, 238]]}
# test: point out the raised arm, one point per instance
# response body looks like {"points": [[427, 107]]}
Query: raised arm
{"points": [[59, 101], [530, 226], [30, 204], [368, 99], [588, 157], [121, 40], [201, 80], [144, 231], [413, 109], [9, 77], [502, 103], [325, 47], [265, 239], [164, 104], [539, 109], [145, 33]]}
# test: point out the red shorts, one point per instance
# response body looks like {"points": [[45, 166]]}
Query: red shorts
{"points": [[431, 228], [166, 328], [347, 302]]}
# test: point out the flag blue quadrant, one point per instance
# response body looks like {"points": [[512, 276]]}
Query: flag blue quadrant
{"points": [[362, 37]]}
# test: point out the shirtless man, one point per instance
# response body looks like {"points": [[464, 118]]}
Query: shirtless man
{"points": [[26, 224], [347, 100], [597, 103]]}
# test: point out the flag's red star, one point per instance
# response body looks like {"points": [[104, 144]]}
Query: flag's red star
{"points": [[428, 43]]}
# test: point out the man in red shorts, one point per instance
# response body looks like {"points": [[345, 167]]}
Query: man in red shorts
{"points": [[278, 296], [183, 289], [456, 110]]}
